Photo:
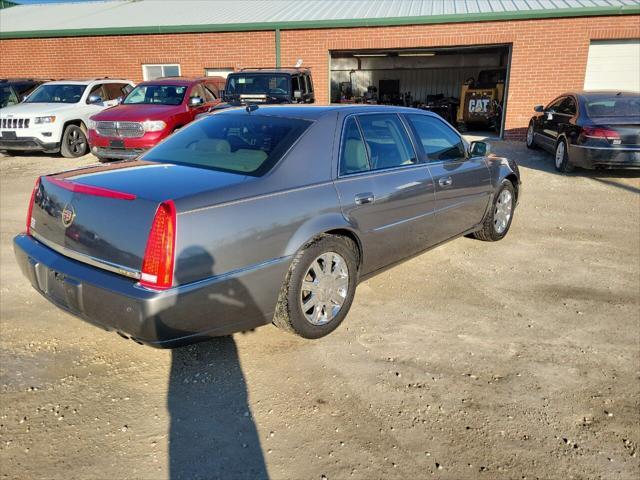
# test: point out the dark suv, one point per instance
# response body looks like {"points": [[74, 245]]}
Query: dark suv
{"points": [[14, 90], [269, 85]]}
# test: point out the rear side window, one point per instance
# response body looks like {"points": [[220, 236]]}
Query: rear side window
{"points": [[354, 158], [387, 141], [568, 106], [248, 144], [439, 141]]}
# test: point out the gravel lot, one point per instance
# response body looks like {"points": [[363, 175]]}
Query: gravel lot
{"points": [[518, 359]]}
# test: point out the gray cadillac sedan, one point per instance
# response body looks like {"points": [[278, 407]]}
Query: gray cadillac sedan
{"points": [[258, 215]]}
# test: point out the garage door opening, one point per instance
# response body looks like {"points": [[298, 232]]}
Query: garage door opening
{"points": [[467, 86]]}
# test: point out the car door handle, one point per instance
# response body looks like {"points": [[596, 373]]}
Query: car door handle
{"points": [[363, 198], [445, 181]]}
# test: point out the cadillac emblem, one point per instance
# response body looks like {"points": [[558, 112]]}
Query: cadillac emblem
{"points": [[68, 215]]}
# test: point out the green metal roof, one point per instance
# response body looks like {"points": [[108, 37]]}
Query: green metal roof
{"points": [[129, 17]]}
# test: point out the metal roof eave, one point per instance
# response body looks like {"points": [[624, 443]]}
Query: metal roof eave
{"points": [[324, 24]]}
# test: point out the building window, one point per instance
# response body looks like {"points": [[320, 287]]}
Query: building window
{"points": [[217, 72], [151, 72]]}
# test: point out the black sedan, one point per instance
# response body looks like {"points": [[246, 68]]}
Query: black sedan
{"points": [[599, 129]]}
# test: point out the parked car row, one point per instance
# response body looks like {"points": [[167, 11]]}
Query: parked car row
{"points": [[117, 121]]}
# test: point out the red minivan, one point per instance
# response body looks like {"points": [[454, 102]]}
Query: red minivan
{"points": [[152, 111]]}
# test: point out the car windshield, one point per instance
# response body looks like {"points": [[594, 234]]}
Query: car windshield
{"points": [[7, 96], [260, 83], [56, 93], [248, 144], [156, 95], [613, 106]]}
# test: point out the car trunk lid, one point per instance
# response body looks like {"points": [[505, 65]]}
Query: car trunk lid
{"points": [[102, 215], [628, 128]]}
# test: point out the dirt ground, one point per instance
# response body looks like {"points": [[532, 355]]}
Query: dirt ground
{"points": [[517, 359]]}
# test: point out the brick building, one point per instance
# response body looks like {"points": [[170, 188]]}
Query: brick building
{"points": [[426, 47]]}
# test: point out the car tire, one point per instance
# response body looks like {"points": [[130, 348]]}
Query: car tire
{"points": [[330, 255], [531, 142], [561, 157], [497, 222], [74, 142]]}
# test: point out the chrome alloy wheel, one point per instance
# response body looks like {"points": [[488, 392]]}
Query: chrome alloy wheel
{"points": [[559, 155], [502, 212], [324, 288]]}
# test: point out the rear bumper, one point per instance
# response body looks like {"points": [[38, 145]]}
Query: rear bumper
{"points": [[603, 157], [28, 144], [169, 318]]}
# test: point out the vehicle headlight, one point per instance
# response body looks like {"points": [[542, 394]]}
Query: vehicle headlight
{"points": [[153, 125], [40, 120], [91, 124]]}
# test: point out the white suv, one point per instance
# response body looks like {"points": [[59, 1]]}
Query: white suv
{"points": [[54, 117]]}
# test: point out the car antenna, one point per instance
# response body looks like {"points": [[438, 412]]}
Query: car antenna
{"points": [[251, 107]]}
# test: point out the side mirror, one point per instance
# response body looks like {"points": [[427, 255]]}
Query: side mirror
{"points": [[538, 108], [297, 94], [94, 99], [479, 149], [196, 101]]}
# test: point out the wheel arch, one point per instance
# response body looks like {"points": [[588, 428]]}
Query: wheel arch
{"points": [[77, 122], [329, 224]]}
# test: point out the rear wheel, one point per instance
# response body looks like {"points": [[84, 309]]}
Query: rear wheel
{"points": [[319, 287], [531, 143], [562, 162], [498, 220], [74, 142]]}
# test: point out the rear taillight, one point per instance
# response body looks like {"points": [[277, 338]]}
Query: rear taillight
{"points": [[600, 132], [31, 202], [157, 265]]}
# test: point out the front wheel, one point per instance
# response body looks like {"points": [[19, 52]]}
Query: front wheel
{"points": [[319, 287], [498, 220], [562, 161], [74, 142]]}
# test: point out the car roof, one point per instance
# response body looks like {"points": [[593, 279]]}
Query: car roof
{"points": [[86, 82], [312, 112], [601, 93], [289, 70], [180, 81]]}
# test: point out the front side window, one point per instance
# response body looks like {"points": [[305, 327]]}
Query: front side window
{"points": [[152, 72], [156, 95], [257, 83], [555, 105], [56, 93], [247, 144], [439, 141]]}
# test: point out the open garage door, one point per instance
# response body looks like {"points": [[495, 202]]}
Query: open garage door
{"points": [[465, 85], [613, 65]]}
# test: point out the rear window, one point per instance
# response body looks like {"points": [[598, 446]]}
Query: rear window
{"points": [[247, 144], [614, 106]]}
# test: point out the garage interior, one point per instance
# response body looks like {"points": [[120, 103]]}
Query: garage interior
{"points": [[431, 79]]}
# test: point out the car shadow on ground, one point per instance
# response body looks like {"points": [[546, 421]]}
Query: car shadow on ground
{"points": [[212, 433], [541, 160]]}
